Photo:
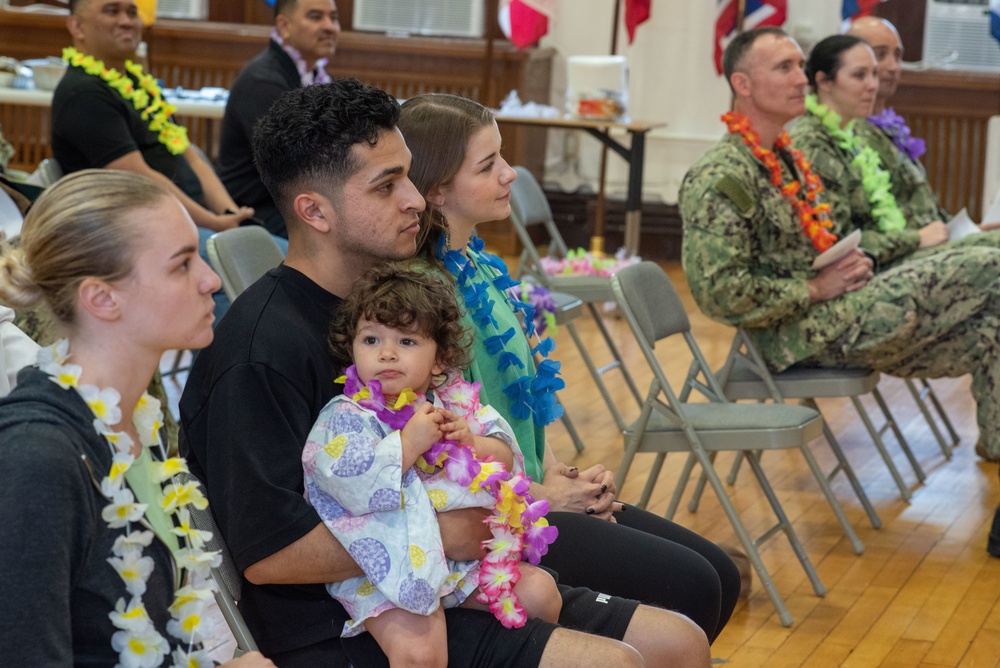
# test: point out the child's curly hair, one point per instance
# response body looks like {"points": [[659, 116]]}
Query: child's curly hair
{"points": [[407, 296]]}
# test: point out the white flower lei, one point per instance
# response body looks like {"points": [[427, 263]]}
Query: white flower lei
{"points": [[138, 643]]}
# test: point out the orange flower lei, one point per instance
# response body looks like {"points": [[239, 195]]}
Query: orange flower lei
{"points": [[814, 218]]}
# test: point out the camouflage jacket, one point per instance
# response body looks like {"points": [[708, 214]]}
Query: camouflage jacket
{"points": [[845, 191], [747, 259], [909, 178]]}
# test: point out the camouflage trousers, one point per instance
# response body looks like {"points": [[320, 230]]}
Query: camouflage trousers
{"points": [[935, 316], [989, 239]]}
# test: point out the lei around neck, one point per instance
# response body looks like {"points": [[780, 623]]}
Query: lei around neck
{"points": [[874, 180], [520, 530], [146, 97], [813, 216], [893, 125], [530, 397], [137, 641]]}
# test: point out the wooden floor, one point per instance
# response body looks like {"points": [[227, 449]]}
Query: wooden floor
{"points": [[924, 593]]}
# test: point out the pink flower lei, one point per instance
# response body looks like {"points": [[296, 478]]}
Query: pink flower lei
{"points": [[517, 523]]}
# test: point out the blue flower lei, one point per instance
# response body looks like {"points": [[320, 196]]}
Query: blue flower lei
{"points": [[893, 125], [530, 397]]}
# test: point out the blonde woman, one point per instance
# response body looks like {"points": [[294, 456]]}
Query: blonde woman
{"points": [[95, 554]]}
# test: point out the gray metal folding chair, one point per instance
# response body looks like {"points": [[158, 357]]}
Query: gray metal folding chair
{"points": [[529, 209], [745, 376], [227, 577], [670, 423], [242, 255], [924, 394]]}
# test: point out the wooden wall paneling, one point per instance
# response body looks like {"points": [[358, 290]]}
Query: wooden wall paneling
{"points": [[950, 111], [908, 16], [196, 54]]}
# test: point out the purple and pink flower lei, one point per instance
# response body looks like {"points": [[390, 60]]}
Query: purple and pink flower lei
{"points": [[517, 523]]}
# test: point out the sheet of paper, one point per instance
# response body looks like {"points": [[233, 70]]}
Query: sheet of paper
{"points": [[838, 250], [961, 226], [993, 213]]}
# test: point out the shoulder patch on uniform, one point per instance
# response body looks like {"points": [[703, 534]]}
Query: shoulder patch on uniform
{"points": [[731, 187]]}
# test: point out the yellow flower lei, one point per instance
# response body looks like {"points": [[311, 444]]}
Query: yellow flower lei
{"points": [[137, 641], [147, 98]]}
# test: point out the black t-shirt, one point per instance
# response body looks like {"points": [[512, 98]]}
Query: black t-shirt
{"points": [[92, 125], [258, 85], [247, 408]]}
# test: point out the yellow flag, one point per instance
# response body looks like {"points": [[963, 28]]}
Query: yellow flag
{"points": [[147, 11]]}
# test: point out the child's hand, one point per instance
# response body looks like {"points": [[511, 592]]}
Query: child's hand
{"points": [[423, 430], [455, 428]]}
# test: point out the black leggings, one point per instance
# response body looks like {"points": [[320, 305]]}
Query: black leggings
{"points": [[649, 559]]}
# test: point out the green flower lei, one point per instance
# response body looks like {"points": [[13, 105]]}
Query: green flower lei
{"points": [[874, 179], [147, 97]]}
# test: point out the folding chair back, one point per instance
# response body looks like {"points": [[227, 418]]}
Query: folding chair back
{"points": [[669, 423], [242, 255], [529, 210], [226, 576]]}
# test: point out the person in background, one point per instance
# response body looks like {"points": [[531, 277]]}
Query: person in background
{"points": [[458, 168], [755, 220], [887, 132], [97, 123], [302, 42], [336, 164], [97, 565]]}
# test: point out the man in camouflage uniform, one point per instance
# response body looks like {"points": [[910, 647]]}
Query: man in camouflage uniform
{"points": [[913, 193], [844, 190], [748, 262]]}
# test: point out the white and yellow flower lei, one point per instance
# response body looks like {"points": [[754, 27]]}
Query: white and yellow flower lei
{"points": [[147, 98], [874, 179], [137, 641]]}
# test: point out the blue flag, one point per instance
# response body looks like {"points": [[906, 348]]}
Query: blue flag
{"points": [[995, 18]]}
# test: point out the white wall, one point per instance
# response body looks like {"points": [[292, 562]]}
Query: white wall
{"points": [[672, 79]]}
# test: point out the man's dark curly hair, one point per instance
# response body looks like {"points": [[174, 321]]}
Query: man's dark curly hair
{"points": [[406, 296], [304, 141]]}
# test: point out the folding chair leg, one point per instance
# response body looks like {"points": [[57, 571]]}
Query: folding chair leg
{"points": [[654, 475], [848, 470], [919, 396], [595, 373], [832, 500], [749, 545], [928, 391], [682, 482], [571, 430], [619, 361], [904, 491], [903, 443], [785, 525], [699, 487]]}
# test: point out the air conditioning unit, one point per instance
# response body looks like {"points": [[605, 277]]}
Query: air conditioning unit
{"points": [[182, 9], [455, 18], [957, 36]]}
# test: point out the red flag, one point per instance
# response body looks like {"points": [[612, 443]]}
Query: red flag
{"points": [[758, 13], [523, 24], [636, 11]]}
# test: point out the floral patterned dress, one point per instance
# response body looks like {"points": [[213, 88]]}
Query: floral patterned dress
{"points": [[386, 517]]}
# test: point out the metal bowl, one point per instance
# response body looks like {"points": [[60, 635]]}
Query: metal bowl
{"points": [[47, 71]]}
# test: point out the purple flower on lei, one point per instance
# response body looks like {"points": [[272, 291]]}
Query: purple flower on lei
{"points": [[893, 125]]}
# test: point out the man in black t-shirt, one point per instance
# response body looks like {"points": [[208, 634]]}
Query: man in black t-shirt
{"points": [[93, 125], [337, 166], [304, 38]]}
